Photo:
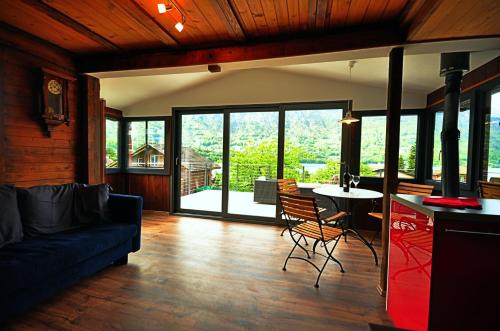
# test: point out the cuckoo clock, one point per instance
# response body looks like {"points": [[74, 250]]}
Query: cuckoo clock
{"points": [[54, 99]]}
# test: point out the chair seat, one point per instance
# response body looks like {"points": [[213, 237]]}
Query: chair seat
{"points": [[312, 230], [378, 216]]}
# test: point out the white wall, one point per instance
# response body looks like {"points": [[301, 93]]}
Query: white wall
{"points": [[264, 86]]}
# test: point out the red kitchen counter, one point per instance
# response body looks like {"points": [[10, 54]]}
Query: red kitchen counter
{"points": [[444, 266]]}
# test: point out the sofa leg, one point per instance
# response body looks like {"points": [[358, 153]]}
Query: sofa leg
{"points": [[122, 261]]}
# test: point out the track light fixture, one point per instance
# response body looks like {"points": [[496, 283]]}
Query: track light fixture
{"points": [[163, 8]]}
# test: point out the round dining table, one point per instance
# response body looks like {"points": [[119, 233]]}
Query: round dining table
{"points": [[335, 191]]}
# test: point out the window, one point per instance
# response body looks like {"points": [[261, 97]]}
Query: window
{"points": [[408, 146], [463, 147], [146, 144], [112, 143], [372, 146], [312, 145], [372, 154], [492, 137]]}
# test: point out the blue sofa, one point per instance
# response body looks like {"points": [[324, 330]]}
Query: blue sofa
{"points": [[36, 268]]}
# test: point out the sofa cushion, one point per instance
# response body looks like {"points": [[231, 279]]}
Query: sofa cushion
{"points": [[91, 204], [47, 209], [36, 259], [11, 228]]}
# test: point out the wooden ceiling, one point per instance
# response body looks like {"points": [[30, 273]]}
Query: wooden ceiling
{"points": [[97, 27]]}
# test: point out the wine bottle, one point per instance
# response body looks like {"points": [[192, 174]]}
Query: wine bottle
{"points": [[347, 179]]}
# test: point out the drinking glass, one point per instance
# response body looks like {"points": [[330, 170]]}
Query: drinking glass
{"points": [[355, 180]]}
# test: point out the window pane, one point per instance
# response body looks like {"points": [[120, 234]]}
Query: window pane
{"points": [[463, 147], [493, 137], [137, 145], [372, 146], [408, 146], [312, 145], [155, 154], [112, 136]]}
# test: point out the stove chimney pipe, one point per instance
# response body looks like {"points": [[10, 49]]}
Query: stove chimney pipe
{"points": [[452, 67]]}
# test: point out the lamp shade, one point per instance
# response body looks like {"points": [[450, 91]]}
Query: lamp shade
{"points": [[348, 118]]}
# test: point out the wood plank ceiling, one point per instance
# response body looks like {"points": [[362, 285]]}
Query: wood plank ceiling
{"points": [[91, 27]]}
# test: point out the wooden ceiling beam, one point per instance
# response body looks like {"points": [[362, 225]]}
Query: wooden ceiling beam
{"points": [[349, 40], [71, 23], [228, 15], [134, 12]]}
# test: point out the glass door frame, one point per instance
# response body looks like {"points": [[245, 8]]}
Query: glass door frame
{"points": [[226, 111]]}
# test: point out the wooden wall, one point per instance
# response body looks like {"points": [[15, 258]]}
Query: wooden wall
{"points": [[28, 156]]}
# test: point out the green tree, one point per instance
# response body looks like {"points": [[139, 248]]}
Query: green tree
{"points": [[412, 157], [401, 162], [325, 174]]}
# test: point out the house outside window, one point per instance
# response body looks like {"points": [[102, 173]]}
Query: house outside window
{"points": [[147, 145]]}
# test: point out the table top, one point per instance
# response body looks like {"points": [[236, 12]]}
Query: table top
{"points": [[354, 193]]}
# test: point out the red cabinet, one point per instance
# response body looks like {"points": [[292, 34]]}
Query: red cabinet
{"points": [[444, 266]]}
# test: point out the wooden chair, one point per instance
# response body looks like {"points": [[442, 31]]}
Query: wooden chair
{"points": [[404, 188], [488, 190], [311, 226], [289, 186]]}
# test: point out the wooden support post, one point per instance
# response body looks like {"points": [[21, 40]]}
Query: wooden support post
{"points": [[394, 92], [92, 110], [2, 115]]}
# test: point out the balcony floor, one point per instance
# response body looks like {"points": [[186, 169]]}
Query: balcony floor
{"points": [[240, 203]]}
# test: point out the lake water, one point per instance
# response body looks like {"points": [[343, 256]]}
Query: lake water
{"points": [[312, 167]]}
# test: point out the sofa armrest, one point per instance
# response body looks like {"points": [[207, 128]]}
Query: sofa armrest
{"points": [[127, 209]]}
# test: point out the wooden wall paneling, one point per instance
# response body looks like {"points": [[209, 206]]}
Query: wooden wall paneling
{"points": [[155, 189], [14, 38], [102, 143], [2, 106], [28, 156], [394, 92], [118, 182], [92, 122]]}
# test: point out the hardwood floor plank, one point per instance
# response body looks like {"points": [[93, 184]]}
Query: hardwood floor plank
{"points": [[197, 274]]}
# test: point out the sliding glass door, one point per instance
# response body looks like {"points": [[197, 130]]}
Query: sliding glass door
{"points": [[228, 159], [200, 162], [253, 159]]}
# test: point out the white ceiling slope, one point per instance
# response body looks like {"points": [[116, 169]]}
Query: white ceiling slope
{"points": [[126, 90]]}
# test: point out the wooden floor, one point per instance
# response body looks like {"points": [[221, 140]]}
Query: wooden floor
{"points": [[197, 274]]}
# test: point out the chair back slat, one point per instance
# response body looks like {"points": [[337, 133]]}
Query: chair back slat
{"points": [[415, 189], [488, 190], [288, 186], [299, 207]]}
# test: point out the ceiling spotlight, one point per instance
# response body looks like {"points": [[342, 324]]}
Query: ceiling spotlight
{"points": [[163, 8], [179, 26]]}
